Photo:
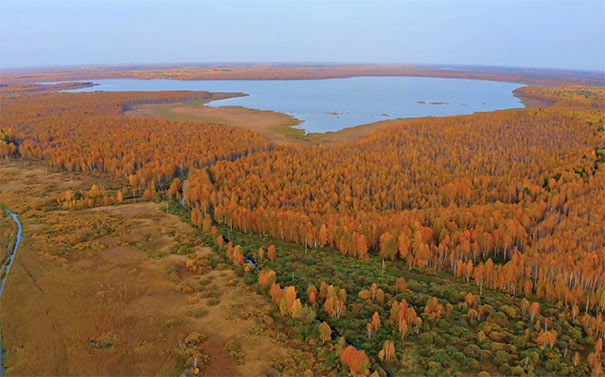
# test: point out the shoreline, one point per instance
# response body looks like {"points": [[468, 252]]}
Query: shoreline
{"points": [[283, 132], [531, 102], [276, 126]]}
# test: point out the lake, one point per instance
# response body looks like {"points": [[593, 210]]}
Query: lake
{"points": [[334, 104]]}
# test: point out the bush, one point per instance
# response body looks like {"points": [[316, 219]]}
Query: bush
{"points": [[234, 348], [450, 349], [439, 341], [501, 357], [501, 319], [183, 287], [441, 357], [199, 313], [195, 338], [510, 311], [425, 339], [413, 285], [485, 355], [434, 369], [173, 275], [267, 320], [472, 350], [181, 249], [459, 357], [471, 364], [505, 369], [552, 365]]}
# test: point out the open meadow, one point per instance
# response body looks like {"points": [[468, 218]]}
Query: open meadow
{"points": [[108, 290]]}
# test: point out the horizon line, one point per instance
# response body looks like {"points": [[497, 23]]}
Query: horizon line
{"points": [[295, 63]]}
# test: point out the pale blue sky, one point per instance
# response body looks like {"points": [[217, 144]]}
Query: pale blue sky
{"points": [[523, 33]]}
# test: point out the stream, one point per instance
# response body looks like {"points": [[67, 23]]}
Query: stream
{"points": [[8, 267]]}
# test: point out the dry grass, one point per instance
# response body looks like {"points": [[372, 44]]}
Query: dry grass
{"points": [[108, 305], [275, 126]]}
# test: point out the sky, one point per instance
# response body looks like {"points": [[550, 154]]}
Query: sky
{"points": [[521, 33]]}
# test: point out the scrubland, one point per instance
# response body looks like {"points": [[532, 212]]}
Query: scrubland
{"points": [[106, 291]]}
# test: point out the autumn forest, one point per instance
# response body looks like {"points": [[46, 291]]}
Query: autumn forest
{"points": [[457, 245]]}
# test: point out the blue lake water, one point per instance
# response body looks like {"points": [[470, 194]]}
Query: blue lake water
{"points": [[334, 104]]}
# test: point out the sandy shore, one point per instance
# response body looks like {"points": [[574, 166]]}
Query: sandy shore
{"points": [[275, 126]]}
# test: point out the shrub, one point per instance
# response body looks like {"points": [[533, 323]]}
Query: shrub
{"points": [[505, 369], [510, 311], [199, 313], [195, 338], [472, 350], [471, 363], [459, 357], [183, 287], [501, 357], [234, 349], [425, 339], [434, 369], [414, 286]]}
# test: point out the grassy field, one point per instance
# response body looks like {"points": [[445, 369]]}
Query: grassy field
{"points": [[106, 291], [275, 126]]}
